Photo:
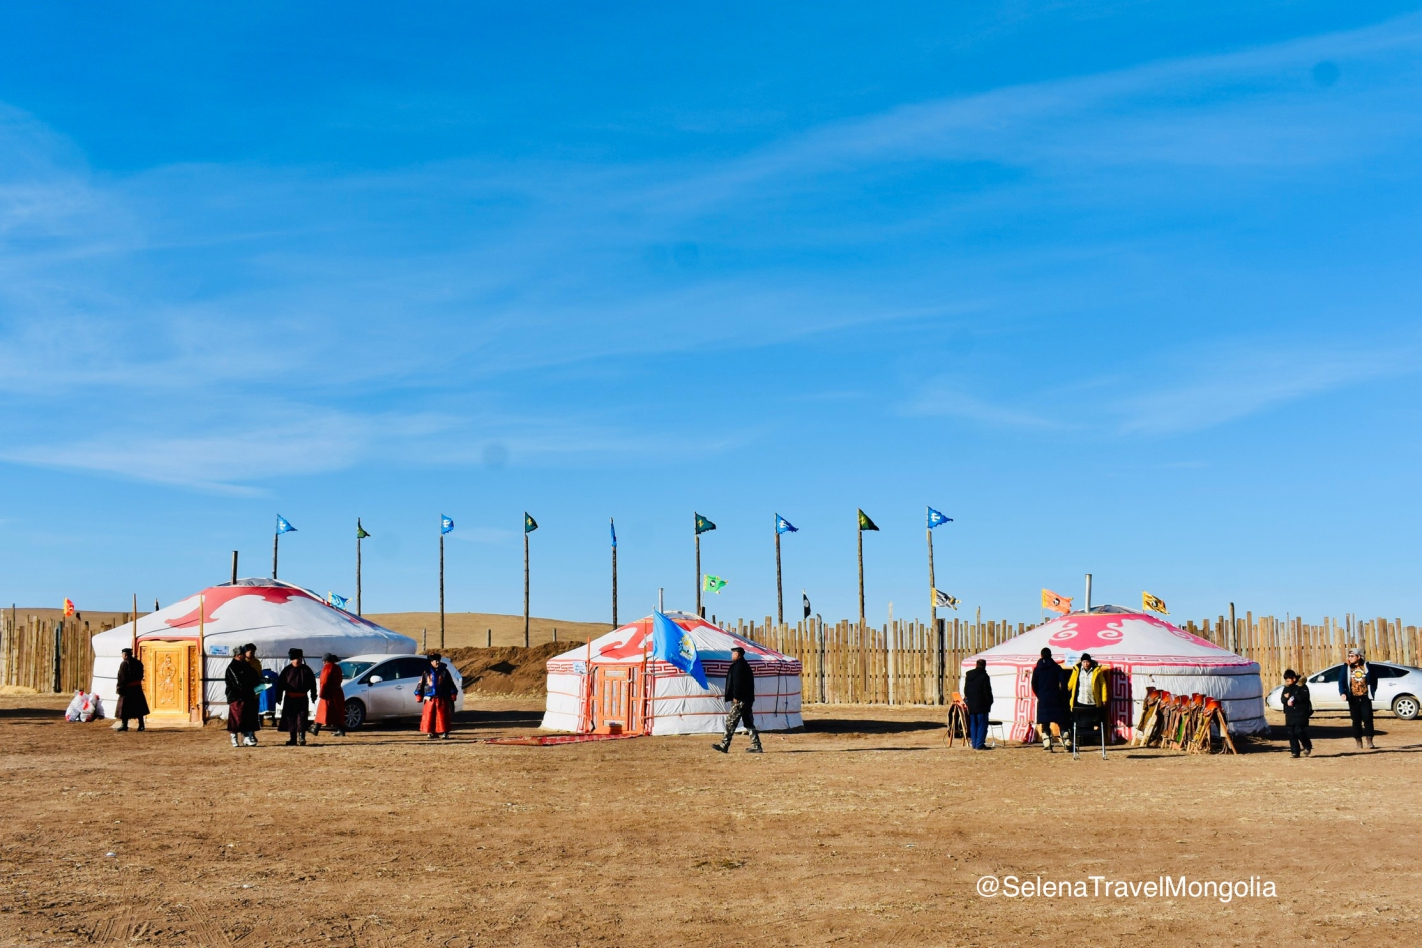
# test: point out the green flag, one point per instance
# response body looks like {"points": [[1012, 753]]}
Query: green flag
{"points": [[360, 531], [713, 584], [865, 523], [529, 524], [702, 524]]}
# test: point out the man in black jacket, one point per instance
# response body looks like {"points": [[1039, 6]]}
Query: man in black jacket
{"points": [[740, 692], [977, 692], [297, 687], [241, 682], [1298, 708]]}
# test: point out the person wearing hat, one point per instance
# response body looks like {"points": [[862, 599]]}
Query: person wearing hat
{"points": [[436, 692], [331, 708], [1358, 684], [241, 682], [1298, 708], [131, 702], [296, 689], [740, 692], [1087, 697]]}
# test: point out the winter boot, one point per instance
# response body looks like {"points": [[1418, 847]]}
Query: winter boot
{"points": [[720, 747], [1371, 746], [1359, 742], [234, 741]]}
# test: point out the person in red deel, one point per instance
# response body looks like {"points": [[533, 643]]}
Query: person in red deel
{"points": [[331, 703], [437, 691]]}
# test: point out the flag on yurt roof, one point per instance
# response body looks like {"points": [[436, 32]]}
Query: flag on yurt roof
{"points": [[1056, 603], [338, 601], [1153, 604], [673, 644]]}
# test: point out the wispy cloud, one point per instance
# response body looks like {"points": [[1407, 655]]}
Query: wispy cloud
{"points": [[941, 398]]}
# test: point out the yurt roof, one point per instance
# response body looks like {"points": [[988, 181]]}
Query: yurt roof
{"points": [[1112, 634], [272, 614], [627, 643]]}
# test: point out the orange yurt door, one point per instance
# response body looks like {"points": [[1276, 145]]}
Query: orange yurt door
{"points": [[618, 699], [171, 682]]}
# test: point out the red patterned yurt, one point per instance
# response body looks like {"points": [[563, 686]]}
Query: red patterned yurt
{"points": [[1141, 651], [612, 685]]}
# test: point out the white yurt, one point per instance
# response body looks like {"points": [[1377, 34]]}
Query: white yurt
{"points": [[271, 614], [1142, 652], [612, 684]]}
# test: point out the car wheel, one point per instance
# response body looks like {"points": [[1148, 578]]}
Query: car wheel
{"points": [[355, 714], [1405, 707]]}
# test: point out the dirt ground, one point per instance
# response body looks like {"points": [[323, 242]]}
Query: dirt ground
{"points": [[863, 830]]}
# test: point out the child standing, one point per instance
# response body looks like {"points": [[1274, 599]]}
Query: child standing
{"points": [[1298, 708]]}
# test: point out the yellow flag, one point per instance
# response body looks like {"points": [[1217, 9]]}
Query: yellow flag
{"points": [[1153, 604], [1055, 603]]}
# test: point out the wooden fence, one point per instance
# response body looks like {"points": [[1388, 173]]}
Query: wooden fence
{"points": [[47, 655], [907, 663]]}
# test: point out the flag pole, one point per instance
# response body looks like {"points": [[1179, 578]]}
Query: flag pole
{"points": [[779, 595], [698, 565], [612, 526], [441, 589], [276, 545], [860, 531], [933, 623], [135, 627], [202, 660], [525, 581], [359, 531]]}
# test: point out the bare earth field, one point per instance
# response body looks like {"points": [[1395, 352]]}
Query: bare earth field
{"points": [[864, 830]]}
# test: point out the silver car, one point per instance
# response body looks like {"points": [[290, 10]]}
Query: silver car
{"points": [[382, 687], [1399, 689]]}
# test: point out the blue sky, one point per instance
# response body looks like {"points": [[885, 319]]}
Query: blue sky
{"points": [[1125, 288]]}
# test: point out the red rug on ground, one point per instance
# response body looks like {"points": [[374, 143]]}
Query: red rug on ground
{"points": [[551, 739]]}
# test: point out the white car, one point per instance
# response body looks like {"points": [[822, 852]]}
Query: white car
{"points": [[1399, 690], [382, 687]]}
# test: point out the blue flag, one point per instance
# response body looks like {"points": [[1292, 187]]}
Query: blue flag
{"points": [[936, 519], [338, 601], [672, 644], [784, 526], [445, 524], [613, 528], [283, 526]]}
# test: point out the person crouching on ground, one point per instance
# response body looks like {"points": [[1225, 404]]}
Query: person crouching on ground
{"points": [[331, 705], [977, 692], [241, 683], [1358, 684], [740, 692], [1048, 681], [131, 702], [1087, 697], [436, 691], [1298, 708], [297, 686]]}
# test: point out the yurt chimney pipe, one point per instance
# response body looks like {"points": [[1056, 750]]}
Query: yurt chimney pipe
{"points": [[1088, 592], [660, 591], [234, 567]]}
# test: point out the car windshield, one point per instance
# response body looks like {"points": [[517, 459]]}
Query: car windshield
{"points": [[351, 670]]}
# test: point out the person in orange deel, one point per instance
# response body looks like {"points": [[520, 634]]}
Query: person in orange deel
{"points": [[331, 705], [437, 691]]}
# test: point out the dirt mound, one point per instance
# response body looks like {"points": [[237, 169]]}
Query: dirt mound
{"points": [[511, 670]]}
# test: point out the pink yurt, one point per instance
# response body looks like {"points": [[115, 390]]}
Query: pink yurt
{"points": [[189, 644], [612, 685], [1141, 651]]}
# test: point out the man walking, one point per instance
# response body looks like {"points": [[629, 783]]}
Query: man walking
{"points": [[331, 708], [740, 692], [297, 688], [1047, 682], [241, 683], [977, 692], [1358, 684], [131, 702], [1087, 697], [1298, 708]]}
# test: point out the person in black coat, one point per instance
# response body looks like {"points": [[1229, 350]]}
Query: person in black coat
{"points": [[740, 692], [240, 683], [131, 702], [977, 693], [297, 690], [1049, 687], [1298, 708]]}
